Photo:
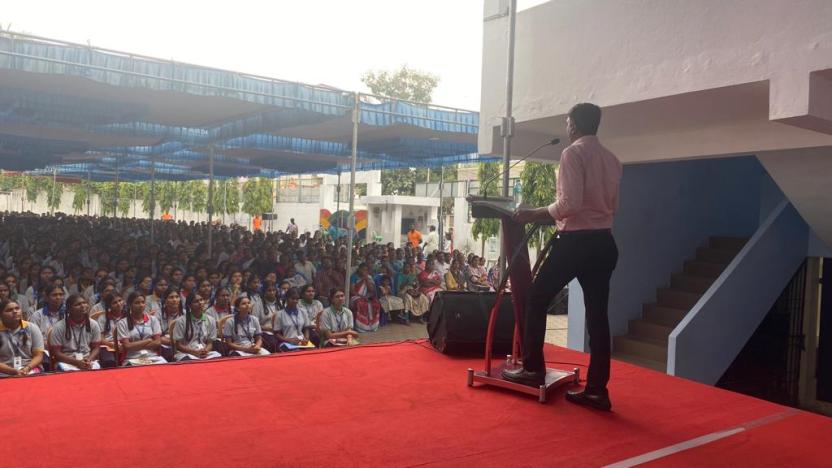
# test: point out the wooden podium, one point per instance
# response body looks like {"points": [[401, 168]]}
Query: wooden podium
{"points": [[515, 241]]}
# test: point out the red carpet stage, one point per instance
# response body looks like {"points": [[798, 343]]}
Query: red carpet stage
{"points": [[386, 405]]}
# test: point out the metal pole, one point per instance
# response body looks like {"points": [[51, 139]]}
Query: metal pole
{"points": [[338, 194], [152, 198], [210, 200], [224, 199], [441, 214], [89, 191], [54, 183], [116, 194], [507, 127], [356, 117]]}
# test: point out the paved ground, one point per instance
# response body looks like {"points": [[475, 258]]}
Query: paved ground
{"points": [[555, 332]]}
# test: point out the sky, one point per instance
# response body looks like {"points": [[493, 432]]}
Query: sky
{"points": [[329, 42]]}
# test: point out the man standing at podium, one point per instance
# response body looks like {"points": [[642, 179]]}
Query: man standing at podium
{"points": [[584, 248]]}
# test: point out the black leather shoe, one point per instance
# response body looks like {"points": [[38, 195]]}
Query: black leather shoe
{"points": [[522, 376], [593, 400]]}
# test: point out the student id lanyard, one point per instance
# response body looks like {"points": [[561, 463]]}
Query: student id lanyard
{"points": [[18, 358], [141, 330], [77, 340], [294, 321], [200, 331], [338, 316], [246, 329]]}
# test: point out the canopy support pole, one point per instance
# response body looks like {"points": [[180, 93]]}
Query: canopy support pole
{"points": [[356, 117], [152, 198], [54, 183], [210, 200], [441, 213], [507, 127], [115, 193], [89, 191], [224, 199], [338, 194]]}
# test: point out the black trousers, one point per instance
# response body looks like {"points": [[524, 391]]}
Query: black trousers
{"points": [[589, 256]]}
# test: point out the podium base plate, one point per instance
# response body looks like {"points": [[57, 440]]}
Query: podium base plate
{"points": [[554, 378]]}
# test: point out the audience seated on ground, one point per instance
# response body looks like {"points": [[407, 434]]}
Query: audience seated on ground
{"points": [[93, 291]]}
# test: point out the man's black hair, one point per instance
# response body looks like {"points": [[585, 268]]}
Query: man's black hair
{"points": [[586, 117]]}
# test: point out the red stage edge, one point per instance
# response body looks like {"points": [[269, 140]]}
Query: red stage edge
{"points": [[554, 378]]}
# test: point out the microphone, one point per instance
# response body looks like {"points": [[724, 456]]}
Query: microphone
{"points": [[552, 142]]}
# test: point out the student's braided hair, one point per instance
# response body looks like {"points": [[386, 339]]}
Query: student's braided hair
{"points": [[130, 299], [108, 305], [70, 301], [236, 311], [189, 329]]}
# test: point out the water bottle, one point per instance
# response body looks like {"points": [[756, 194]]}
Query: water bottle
{"points": [[509, 363]]}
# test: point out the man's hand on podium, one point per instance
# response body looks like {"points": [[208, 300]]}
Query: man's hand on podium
{"points": [[528, 215]]}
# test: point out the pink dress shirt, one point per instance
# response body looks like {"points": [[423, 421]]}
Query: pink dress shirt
{"points": [[587, 193]]}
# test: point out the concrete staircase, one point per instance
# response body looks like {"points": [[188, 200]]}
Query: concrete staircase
{"points": [[645, 344]]}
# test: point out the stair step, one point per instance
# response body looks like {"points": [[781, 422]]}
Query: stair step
{"points": [[667, 316], [707, 254], [691, 283], [639, 347], [641, 362], [706, 269], [727, 243], [677, 299], [650, 330]]}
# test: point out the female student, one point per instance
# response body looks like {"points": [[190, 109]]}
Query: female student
{"points": [[364, 300], [221, 306], [242, 331], [74, 340], [271, 305], [153, 302], [290, 324], [309, 305], [171, 310], [252, 292], [21, 342], [113, 305], [53, 312], [195, 332], [336, 322], [140, 334]]}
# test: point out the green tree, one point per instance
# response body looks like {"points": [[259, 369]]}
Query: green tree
{"points": [[538, 182], [485, 228], [226, 196], [81, 194], [128, 191], [412, 85], [167, 195], [105, 191], [404, 83], [54, 195], [257, 196], [148, 194], [183, 197], [398, 181], [199, 196], [34, 185]]}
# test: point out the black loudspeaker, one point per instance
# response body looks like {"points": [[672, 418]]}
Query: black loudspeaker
{"points": [[269, 216], [458, 322]]}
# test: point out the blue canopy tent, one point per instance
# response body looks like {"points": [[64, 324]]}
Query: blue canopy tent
{"points": [[75, 110]]}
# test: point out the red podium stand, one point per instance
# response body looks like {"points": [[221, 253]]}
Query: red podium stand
{"points": [[515, 242]]}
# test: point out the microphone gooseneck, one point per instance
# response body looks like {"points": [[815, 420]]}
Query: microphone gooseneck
{"points": [[552, 142]]}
